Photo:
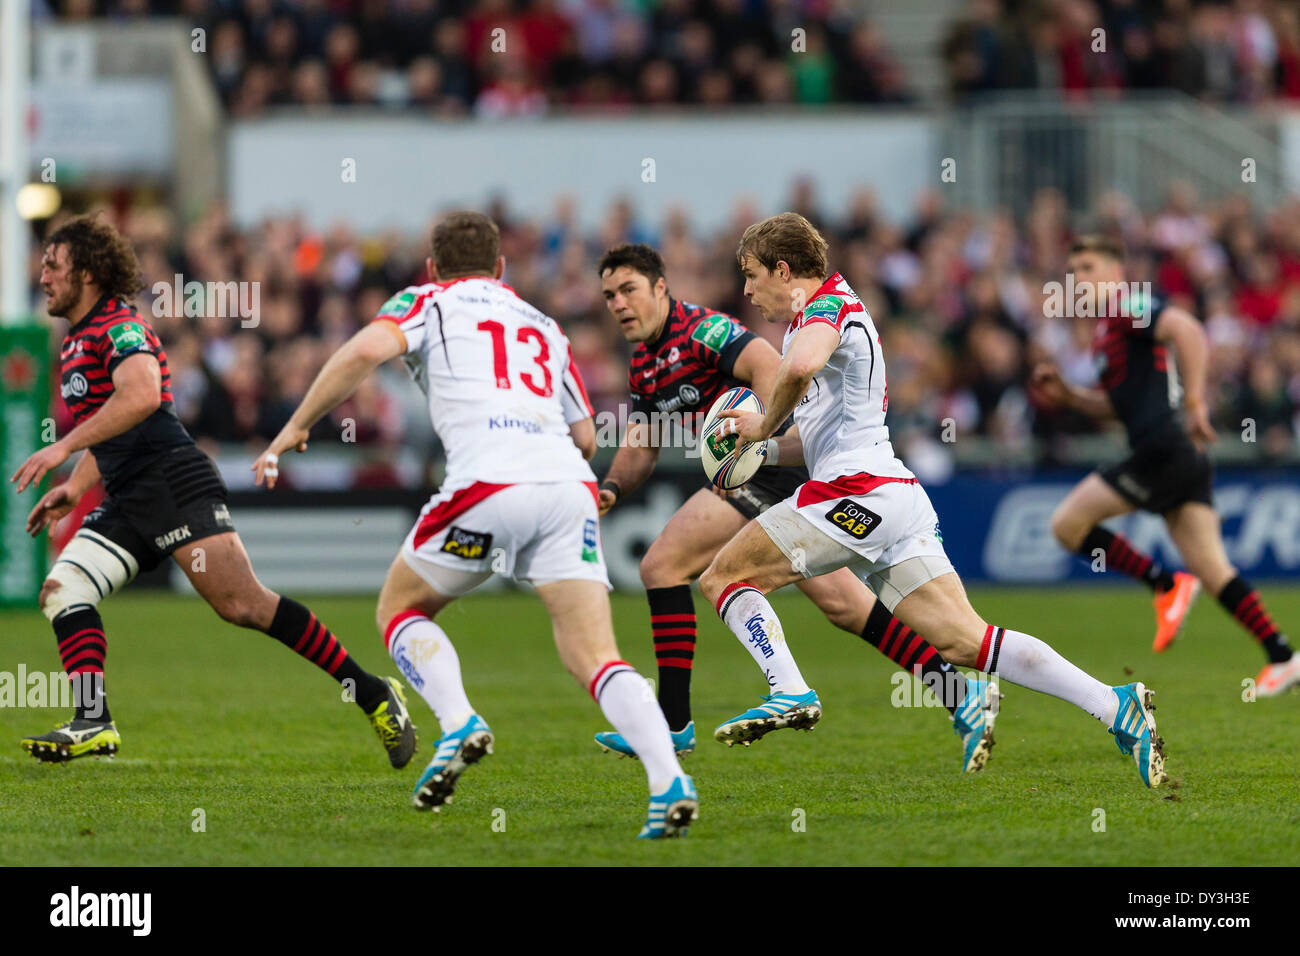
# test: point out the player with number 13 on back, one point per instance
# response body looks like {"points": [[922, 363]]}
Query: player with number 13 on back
{"points": [[508, 404]]}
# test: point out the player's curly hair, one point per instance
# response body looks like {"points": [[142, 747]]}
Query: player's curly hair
{"points": [[636, 256], [788, 238], [97, 248]]}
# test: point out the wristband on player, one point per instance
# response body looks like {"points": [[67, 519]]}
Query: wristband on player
{"points": [[608, 485], [773, 452]]}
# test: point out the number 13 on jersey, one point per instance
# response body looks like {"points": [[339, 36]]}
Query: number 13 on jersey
{"points": [[500, 364]]}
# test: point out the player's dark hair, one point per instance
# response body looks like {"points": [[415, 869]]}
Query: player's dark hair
{"points": [[788, 237], [1101, 244], [635, 255], [465, 244], [95, 247]]}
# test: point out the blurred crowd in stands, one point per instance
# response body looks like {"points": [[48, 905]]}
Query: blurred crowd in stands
{"points": [[959, 300], [499, 58], [505, 58], [1219, 50]]}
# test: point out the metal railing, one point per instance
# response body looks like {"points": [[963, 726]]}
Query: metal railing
{"points": [[1007, 148]]}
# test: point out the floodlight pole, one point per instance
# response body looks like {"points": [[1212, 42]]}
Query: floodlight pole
{"points": [[15, 30]]}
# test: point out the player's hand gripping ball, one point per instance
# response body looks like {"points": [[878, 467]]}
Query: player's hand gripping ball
{"points": [[728, 461]]}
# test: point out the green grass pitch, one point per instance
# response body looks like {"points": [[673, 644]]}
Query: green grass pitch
{"points": [[230, 723]]}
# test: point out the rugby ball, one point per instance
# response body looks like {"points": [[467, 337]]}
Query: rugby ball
{"points": [[727, 465]]}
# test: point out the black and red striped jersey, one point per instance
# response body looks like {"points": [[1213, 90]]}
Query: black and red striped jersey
{"points": [[691, 363], [111, 332], [1134, 370]]}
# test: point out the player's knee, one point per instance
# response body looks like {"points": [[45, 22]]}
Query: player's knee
{"points": [[1067, 529], [238, 611], [47, 591], [844, 614], [658, 570], [712, 581], [88, 570]]}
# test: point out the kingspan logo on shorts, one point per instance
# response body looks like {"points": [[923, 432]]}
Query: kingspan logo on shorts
{"points": [[589, 552], [758, 635], [173, 536]]}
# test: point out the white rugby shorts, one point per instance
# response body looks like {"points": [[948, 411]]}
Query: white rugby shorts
{"points": [[884, 529], [538, 533]]}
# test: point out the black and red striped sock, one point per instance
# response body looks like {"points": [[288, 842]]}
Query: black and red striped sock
{"points": [[1123, 557], [1243, 603], [672, 621], [910, 651], [83, 647], [296, 627]]}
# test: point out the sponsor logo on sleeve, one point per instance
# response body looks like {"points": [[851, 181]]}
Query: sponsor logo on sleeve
{"points": [[398, 305], [824, 307], [127, 337], [716, 332], [471, 545], [853, 519]]}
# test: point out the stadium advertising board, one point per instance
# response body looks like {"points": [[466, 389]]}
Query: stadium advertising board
{"points": [[995, 529]]}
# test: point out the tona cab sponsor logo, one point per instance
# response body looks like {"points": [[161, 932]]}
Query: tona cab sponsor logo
{"points": [[173, 536], [471, 545], [853, 518]]}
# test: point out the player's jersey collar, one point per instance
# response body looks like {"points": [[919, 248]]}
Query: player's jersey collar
{"points": [[829, 287], [100, 304]]}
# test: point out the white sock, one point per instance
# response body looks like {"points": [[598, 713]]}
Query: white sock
{"points": [[1026, 660], [629, 704], [745, 610], [429, 662]]}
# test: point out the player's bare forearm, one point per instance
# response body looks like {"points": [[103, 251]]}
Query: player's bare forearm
{"points": [[1091, 401], [791, 384], [789, 447], [85, 475], [757, 366], [1191, 353], [345, 371], [632, 464]]}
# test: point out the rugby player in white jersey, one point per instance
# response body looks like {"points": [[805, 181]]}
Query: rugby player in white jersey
{"points": [[519, 497], [862, 508]]}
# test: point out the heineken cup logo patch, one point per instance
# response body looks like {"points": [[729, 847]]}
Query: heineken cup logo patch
{"points": [[399, 304], [715, 332], [128, 335]]}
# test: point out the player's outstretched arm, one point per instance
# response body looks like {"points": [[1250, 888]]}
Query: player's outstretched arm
{"points": [[1181, 330], [137, 393], [343, 373], [632, 465]]}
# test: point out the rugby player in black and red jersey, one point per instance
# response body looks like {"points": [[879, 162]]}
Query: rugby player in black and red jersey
{"points": [[163, 498], [1168, 472], [685, 356]]}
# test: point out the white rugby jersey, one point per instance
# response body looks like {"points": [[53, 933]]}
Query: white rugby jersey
{"points": [[502, 386], [841, 418]]}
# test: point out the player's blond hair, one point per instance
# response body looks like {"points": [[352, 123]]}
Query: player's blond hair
{"points": [[788, 238]]}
